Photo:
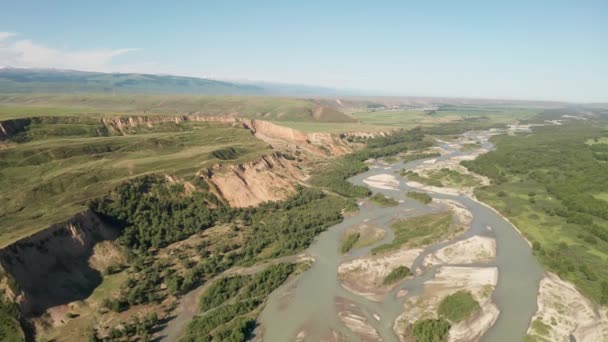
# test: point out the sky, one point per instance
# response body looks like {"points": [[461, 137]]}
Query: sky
{"points": [[538, 50]]}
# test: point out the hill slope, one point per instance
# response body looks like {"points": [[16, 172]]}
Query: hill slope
{"points": [[13, 80]]}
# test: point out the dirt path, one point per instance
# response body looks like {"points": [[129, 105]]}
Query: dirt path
{"points": [[188, 304]]}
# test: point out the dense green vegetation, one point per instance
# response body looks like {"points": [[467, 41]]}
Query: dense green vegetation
{"points": [[458, 306], [416, 177], [244, 287], [153, 213], [383, 201], [452, 178], [550, 184], [396, 274], [440, 178], [422, 197], [334, 177], [431, 330], [417, 231], [348, 243], [229, 305]]}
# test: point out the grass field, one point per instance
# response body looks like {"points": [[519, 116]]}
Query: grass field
{"points": [[366, 235], [494, 114], [334, 127], [417, 231], [552, 186], [47, 179], [452, 178], [266, 108]]}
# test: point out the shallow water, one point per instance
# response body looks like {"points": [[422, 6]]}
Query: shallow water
{"points": [[309, 303]]}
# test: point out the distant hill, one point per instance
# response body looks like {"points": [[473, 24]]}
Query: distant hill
{"points": [[14, 80]]}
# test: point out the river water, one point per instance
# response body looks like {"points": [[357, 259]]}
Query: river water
{"points": [[308, 303]]}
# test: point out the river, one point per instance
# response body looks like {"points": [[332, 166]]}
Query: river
{"points": [[307, 305]]}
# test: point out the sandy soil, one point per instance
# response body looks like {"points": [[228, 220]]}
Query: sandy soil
{"points": [[462, 215], [364, 276], [480, 281], [382, 181], [353, 318], [564, 311], [475, 249]]}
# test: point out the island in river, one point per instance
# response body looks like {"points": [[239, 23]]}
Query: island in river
{"points": [[342, 297]]}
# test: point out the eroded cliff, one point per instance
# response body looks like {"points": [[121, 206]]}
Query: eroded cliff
{"points": [[52, 266], [271, 178]]}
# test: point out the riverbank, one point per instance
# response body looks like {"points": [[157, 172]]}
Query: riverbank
{"points": [[478, 281], [563, 312]]}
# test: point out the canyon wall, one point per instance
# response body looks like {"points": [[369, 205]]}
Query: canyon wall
{"points": [[51, 267], [271, 178]]}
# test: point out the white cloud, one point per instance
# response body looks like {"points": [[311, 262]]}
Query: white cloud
{"points": [[23, 53], [4, 35]]}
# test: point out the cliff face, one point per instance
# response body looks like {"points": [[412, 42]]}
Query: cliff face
{"points": [[317, 143], [120, 123], [271, 178], [52, 266]]}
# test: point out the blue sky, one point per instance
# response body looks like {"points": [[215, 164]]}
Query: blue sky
{"points": [[555, 50]]}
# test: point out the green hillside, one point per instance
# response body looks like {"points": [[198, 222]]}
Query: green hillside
{"points": [[59, 164], [70, 81], [267, 108]]}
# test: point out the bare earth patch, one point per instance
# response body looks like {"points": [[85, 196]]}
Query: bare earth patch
{"points": [[462, 215], [479, 281], [382, 181], [563, 311], [475, 249], [364, 276]]}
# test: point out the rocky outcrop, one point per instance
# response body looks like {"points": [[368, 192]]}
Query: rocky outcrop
{"points": [[120, 124], [317, 143], [271, 178], [52, 266]]}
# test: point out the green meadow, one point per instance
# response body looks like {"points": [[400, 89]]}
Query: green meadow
{"points": [[57, 167]]}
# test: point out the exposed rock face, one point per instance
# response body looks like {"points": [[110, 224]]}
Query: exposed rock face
{"points": [[271, 178], [52, 267], [120, 123], [316, 143]]}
